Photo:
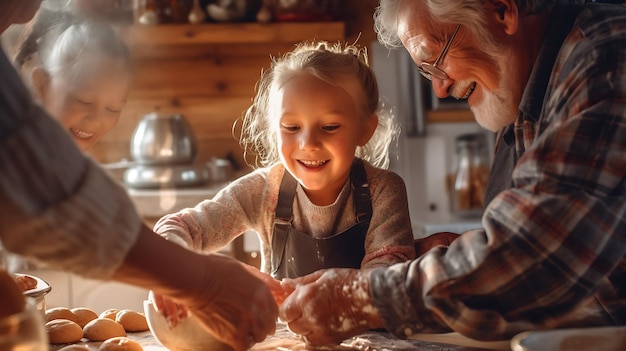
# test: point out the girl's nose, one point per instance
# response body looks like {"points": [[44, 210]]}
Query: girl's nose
{"points": [[309, 139], [441, 87]]}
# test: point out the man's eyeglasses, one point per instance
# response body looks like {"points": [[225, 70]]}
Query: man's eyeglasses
{"points": [[432, 70]]}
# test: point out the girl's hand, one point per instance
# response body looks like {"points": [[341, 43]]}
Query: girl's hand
{"points": [[172, 311], [330, 306]]}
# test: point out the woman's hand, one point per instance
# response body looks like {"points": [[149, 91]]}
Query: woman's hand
{"points": [[274, 285], [235, 305], [172, 311], [329, 306]]}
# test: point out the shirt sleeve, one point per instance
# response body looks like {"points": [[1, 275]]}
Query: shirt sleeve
{"points": [[57, 206], [550, 245]]}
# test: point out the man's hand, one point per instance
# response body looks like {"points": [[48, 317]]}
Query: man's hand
{"points": [[329, 306]]}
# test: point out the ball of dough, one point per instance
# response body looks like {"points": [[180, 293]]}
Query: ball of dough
{"points": [[11, 295], [132, 321], [84, 315], [101, 329], [60, 313], [25, 282], [63, 331], [74, 347], [120, 344], [110, 313]]}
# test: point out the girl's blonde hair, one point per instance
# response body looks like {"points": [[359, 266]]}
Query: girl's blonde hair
{"points": [[342, 65]]}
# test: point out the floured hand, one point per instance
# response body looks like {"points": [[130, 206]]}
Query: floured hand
{"points": [[330, 306], [172, 311], [235, 306]]}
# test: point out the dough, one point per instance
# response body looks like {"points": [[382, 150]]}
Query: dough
{"points": [[60, 313], [25, 282], [63, 331], [101, 329], [120, 344], [132, 321], [74, 347], [84, 315], [110, 313]]}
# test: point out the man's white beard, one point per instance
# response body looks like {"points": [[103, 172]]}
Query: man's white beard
{"points": [[499, 108]]}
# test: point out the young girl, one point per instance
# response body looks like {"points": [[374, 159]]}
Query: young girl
{"points": [[320, 199], [78, 69]]}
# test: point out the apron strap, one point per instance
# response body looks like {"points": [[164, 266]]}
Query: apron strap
{"points": [[361, 191], [282, 220], [286, 194]]}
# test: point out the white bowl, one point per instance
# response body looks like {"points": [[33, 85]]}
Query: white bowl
{"points": [[187, 335]]}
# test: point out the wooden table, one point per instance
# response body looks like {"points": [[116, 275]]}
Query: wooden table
{"points": [[284, 340]]}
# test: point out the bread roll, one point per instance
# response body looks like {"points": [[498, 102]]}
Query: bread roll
{"points": [[132, 321], [120, 344], [101, 329], [84, 315], [63, 331], [60, 313], [110, 313]]}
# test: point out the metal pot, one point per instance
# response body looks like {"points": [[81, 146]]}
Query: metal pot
{"points": [[161, 139]]}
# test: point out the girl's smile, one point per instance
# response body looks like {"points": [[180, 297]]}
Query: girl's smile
{"points": [[319, 133]]}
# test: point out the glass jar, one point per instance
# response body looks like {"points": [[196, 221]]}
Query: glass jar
{"points": [[469, 181]]}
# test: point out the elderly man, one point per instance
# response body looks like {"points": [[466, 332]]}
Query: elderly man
{"points": [[550, 77], [59, 207]]}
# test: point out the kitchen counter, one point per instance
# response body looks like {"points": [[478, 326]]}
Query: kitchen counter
{"points": [[285, 340], [159, 202]]}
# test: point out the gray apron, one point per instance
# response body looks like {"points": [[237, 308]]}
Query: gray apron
{"points": [[295, 254]]}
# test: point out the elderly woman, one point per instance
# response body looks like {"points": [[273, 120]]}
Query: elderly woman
{"points": [[550, 76], [58, 207]]}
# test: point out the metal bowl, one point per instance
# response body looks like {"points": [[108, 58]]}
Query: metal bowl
{"points": [[38, 293]]}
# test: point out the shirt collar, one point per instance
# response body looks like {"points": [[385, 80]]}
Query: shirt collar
{"points": [[559, 25]]}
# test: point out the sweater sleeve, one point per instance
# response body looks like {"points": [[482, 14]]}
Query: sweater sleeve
{"points": [[56, 205], [242, 205], [390, 236]]}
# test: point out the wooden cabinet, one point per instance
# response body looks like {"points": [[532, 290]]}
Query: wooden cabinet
{"points": [[233, 33]]}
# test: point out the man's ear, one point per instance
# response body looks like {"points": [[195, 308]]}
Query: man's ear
{"points": [[40, 80], [368, 129], [504, 13]]}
